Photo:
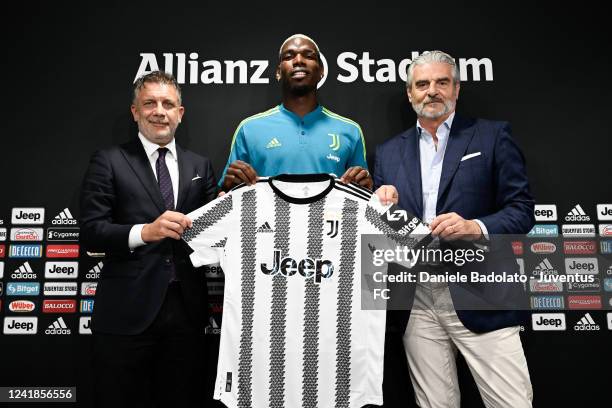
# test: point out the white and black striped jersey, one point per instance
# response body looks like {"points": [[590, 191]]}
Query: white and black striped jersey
{"points": [[294, 333]]}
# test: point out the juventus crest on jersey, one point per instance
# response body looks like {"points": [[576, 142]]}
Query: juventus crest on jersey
{"points": [[293, 332]]}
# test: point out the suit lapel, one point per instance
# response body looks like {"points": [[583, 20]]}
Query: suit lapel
{"points": [[412, 165], [184, 177], [136, 158], [460, 136]]}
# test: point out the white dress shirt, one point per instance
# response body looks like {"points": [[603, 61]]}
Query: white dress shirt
{"points": [[135, 237], [431, 167]]}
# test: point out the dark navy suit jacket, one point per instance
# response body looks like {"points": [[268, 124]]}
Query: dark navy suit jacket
{"points": [[491, 187]]}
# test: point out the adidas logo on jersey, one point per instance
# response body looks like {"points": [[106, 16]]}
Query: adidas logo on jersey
{"points": [[265, 227], [319, 268], [586, 324], [273, 143], [544, 268], [577, 214], [94, 273], [64, 218], [58, 327], [24, 272]]}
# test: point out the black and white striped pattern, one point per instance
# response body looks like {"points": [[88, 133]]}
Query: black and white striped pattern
{"points": [[348, 249], [278, 312], [210, 218], [310, 361], [248, 243]]}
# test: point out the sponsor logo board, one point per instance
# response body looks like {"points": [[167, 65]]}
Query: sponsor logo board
{"points": [[605, 230], [25, 251], [604, 212], [586, 266], [544, 231], [24, 272], [59, 306], [20, 325], [28, 216], [545, 212], [63, 234], [58, 327], [61, 270], [63, 251], [18, 306], [579, 247], [60, 289], [586, 323], [88, 288], [85, 325], [26, 234], [87, 305], [548, 321], [584, 302], [547, 302], [578, 230], [22, 289], [543, 248]]}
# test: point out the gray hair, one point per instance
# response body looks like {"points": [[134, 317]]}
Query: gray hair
{"points": [[156, 77], [432, 56]]}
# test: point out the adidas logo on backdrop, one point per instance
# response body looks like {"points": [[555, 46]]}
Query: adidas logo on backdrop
{"points": [[64, 218], [577, 214]]}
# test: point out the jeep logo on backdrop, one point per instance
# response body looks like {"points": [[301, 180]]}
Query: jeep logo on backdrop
{"points": [[190, 68]]}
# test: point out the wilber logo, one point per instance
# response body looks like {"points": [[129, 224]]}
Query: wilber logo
{"points": [[578, 230], [87, 305], [21, 306], [89, 288], [26, 234], [63, 234], [60, 288], [85, 325], [587, 266], [544, 231], [543, 248], [61, 270], [547, 302], [94, 273], [28, 216], [319, 268], [64, 218], [586, 324], [517, 248], [62, 251], [22, 289], [24, 272], [20, 325], [605, 230], [58, 327], [25, 251], [604, 212], [59, 306], [584, 302], [579, 247], [577, 214], [545, 212], [605, 247], [548, 321]]}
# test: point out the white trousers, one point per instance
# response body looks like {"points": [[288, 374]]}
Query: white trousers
{"points": [[496, 360]]}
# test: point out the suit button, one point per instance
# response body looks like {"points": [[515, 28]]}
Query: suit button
{"points": [[168, 261]]}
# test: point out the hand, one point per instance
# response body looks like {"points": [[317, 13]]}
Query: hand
{"points": [[170, 224], [239, 172], [451, 226], [358, 175], [387, 195]]}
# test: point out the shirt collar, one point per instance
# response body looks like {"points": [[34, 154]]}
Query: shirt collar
{"points": [[151, 148], [309, 116], [448, 123]]}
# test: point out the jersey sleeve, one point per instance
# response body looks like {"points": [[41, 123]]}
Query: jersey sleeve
{"points": [[210, 230], [358, 155], [238, 150]]}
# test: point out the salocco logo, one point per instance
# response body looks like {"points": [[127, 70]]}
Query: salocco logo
{"points": [[308, 268], [189, 68]]}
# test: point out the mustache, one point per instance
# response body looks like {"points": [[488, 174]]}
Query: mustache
{"points": [[432, 100]]}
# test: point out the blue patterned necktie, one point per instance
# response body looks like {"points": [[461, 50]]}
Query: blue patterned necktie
{"points": [[164, 180]]}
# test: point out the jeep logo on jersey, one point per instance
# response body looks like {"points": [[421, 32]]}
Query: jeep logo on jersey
{"points": [[604, 212], [64, 218], [20, 325], [28, 215], [26, 234], [61, 270], [321, 269], [545, 212], [577, 214]]}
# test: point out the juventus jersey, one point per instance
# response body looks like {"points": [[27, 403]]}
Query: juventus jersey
{"points": [[293, 332]]}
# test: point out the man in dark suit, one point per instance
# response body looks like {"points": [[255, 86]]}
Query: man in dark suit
{"points": [[467, 179], [150, 301]]}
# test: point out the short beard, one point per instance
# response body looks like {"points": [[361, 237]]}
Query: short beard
{"points": [[298, 89], [420, 110]]}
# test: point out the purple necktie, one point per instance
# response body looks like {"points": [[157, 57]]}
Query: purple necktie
{"points": [[164, 180]]}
